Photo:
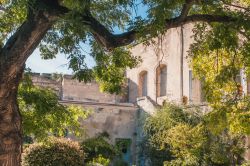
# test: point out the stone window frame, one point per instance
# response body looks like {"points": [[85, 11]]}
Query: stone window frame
{"points": [[141, 76], [158, 70]]}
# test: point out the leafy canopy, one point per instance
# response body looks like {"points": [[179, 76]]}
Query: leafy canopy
{"points": [[70, 33], [70, 36], [43, 115], [220, 58]]}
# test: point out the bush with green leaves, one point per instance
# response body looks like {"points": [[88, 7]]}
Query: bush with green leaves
{"points": [[53, 152], [99, 161], [188, 141], [99, 146]]}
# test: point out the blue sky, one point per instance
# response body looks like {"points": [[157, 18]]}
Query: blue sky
{"points": [[56, 65], [59, 64]]}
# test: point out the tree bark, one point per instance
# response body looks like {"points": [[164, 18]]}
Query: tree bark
{"points": [[12, 61], [10, 122]]}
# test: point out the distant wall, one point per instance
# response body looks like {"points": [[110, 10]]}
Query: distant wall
{"points": [[75, 90], [47, 80], [68, 88]]}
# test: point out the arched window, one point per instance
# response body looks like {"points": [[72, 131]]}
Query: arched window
{"points": [[161, 80], [143, 77]]}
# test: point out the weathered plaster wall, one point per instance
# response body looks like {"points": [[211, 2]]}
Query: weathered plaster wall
{"points": [[118, 120]]}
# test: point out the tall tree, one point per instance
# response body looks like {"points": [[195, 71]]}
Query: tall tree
{"points": [[63, 25]]}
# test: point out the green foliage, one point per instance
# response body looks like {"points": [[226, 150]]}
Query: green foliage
{"points": [[148, 150], [185, 137], [122, 143], [13, 16], [169, 116], [111, 67], [219, 55], [99, 161], [120, 162], [43, 114], [54, 152], [186, 143], [70, 35], [99, 147], [159, 9], [111, 13]]}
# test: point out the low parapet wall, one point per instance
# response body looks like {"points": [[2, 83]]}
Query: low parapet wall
{"points": [[68, 88]]}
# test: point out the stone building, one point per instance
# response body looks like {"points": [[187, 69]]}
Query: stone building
{"points": [[163, 75]]}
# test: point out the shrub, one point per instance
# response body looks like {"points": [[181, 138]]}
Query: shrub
{"points": [[54, 152], [187, 140], [99, 161], [94, 147]]}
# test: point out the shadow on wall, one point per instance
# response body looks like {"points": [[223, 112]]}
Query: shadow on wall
{"points": [[132, 91], [146, 155]]}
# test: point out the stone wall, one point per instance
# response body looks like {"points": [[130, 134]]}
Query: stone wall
{"points": [[80, 91], [68, 88], [48, 81]]}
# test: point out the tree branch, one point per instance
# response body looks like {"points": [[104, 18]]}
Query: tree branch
{"points": [[176, 22], [186, 7], [110, 41], [104, 36], [24, 41], [2, 9]]}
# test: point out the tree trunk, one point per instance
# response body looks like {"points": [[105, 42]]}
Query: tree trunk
{"points": [[10, 122], [12, 61]]}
